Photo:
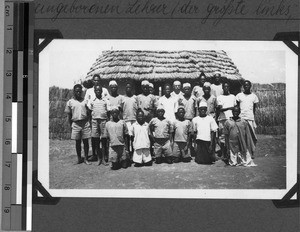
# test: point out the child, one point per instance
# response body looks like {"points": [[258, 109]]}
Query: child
{"points": [[100, 113], [182, 136], [168, 103], [146, 101], [238, 140], [115, 99], [205, 128], [161, 133], [216, 87], [90, 96], [225, 102], [248, 102], [209, 99], [197, 90], [129, 108], [188, 101], [76, 109], [116, 131], [141, 142]]}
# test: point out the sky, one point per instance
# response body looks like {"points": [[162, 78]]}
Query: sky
{"points": [[64, 62]]}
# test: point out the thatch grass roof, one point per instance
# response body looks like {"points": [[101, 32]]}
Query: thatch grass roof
{"points": [[159, 65]]}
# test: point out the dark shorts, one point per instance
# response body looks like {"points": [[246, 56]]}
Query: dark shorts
{"points": [[81, 130], [117, 153]]}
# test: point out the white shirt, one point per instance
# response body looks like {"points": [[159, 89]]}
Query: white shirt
{"points": [[226, 101], [176, 96], [216, 90], [141, 135], [246, 104], [169, 105], [204, 126]]}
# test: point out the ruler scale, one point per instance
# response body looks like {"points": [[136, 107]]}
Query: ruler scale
{"points": [[18, 83]]}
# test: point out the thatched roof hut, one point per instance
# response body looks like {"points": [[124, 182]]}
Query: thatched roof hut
{"points": [[162, 66]]}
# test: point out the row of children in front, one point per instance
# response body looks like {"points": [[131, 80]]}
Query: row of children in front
{"points": [[102, 104]]}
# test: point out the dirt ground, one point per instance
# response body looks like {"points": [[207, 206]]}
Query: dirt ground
{"points": [[270, 172]]}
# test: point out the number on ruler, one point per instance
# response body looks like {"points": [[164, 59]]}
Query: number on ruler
{"points": [[6, 209], [9, 28], [8, 96], [8, 51], [7, 10], [7, 142], [7, 165], [8, 119], [7, 187], [8, 74]]}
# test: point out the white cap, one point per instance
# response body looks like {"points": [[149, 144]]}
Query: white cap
{"points": [[203, 104], [145, 82], [176, 83], [111, 83], [151, 85], [207, 84], [186, 85]]}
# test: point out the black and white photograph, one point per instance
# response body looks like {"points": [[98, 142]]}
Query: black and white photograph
{"points": [[167, 118]]}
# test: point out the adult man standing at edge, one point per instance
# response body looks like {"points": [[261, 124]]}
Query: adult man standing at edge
{"points": [[90, 96]]}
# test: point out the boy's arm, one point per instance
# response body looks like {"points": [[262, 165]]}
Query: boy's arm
{"points": [[171, 131], [254, 108], [70, 118], [151, 129]]}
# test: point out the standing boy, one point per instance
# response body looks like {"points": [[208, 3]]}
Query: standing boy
{"points": [[216, 87], [129, 108], [161, 133], [197, 90], [141, 142], [205, 128], [183, 130], [188, 101], [239, 143], [77, 111], [168, 103], [248, 102], [100, 113], [116, 131], [209, 99], [146, 101], [115, 99], [90, 96], [225, 102]]}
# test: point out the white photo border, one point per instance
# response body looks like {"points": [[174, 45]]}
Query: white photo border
{"points": [[291, 121]]}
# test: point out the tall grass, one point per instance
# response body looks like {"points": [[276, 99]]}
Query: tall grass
{"points": [[270, 115]]}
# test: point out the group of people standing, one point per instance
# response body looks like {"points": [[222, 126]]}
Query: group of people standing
{"points": [[206, 121]]}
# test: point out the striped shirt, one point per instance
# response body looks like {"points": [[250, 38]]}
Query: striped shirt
{"points": [[99, 108]]}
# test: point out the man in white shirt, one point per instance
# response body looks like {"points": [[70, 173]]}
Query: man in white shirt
{"points": [[176, 90], [168, 103], [248, 103]]}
